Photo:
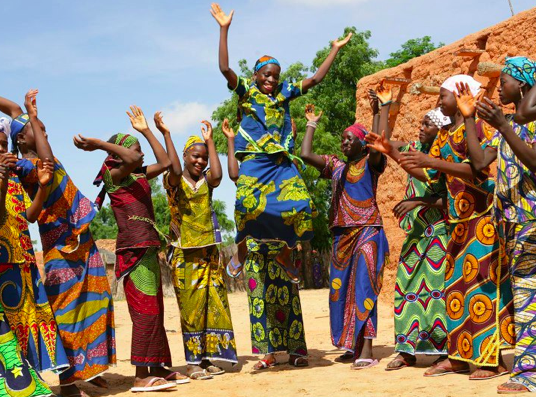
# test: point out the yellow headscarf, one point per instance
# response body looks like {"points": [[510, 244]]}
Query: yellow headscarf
{"points": [[192, 141]]}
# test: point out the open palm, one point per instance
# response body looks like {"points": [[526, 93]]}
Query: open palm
{"points": [[465, 100], [343, 42], [220, 16], [378, 143], [137, 119]]}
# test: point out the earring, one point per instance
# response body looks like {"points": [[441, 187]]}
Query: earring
{"points": [[521, 92]]}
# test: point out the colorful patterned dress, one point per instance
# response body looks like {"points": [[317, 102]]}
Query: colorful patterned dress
{"points": [[272, 201], [137, 263], [359, 254], [207, 329], [76, 282], [17, 377], [477, 285], [22, 294], [515, 210], [420, 317], [274, 303]]}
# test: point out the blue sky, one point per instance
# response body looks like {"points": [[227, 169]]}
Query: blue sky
{"points": [[92, 59]]}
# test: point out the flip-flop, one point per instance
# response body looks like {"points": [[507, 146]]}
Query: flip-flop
{"points": [[345, 357], [149, 386], [444, 371], [200, 375], [404, 362], [265, 364], [293, 274], [297, 363], [235, 266], [371, 362], [215, 370], [490, 377], [511, 391], [181, 381]]}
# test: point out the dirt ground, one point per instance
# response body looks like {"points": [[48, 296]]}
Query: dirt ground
{"points": [[324, 376]]}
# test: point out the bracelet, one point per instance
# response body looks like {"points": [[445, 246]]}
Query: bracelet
{"points": [[387, 103], [312, 124]]}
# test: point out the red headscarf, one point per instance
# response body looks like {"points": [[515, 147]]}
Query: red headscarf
{"points": [[358, 130]]}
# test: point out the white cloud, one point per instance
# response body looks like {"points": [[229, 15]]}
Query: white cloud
{"points": [[185, 118]]}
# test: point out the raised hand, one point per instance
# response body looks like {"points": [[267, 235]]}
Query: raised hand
{"points": [[379, 143], [137, 119], [465, 100], [491, 113], [343, 42], [87, 144], [310, 113], [159, 122], [223, 19], [373, 101], [45, 171], [207, 134], [384, 94], [227, 130], [414, 159], [30, 103]]}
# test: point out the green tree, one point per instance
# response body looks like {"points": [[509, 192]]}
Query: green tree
{"points": [[411, 49], [227, 226], [103, 225]]}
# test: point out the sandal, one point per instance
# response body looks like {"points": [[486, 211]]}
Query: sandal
{"points": [[179, 378], [371, 362], [150, 386], [493, 374], [200, 375], [439, 370], [345, 357], [402, 361], [264, 364], [505, 389], [237, 267], [293, 273], [214, 370], [299, 362]]}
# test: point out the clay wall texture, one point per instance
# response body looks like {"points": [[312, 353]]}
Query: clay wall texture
{"points": [[512, 37]]}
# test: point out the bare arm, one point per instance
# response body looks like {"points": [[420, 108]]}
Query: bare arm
{"points": [[215, 174], [45, 173], [494, 116], [44, 151], [176, 168], [306, 152], [232, 162], [225, 22], [404, 206], [326, 65], [7, 162], [10, 108], [527, 108]]}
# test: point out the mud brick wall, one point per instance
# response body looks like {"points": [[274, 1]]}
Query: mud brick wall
{"points": [[416, 86]]}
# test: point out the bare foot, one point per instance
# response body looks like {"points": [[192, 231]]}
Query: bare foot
{"points": [[484, 373], [167, 374], [99, 381]]}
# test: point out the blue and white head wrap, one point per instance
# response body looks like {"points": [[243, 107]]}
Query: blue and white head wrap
{"points": [[265, 60]]}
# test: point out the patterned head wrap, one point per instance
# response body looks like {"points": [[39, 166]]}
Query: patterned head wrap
{"points": [[359, 131], [438, 118], [450, 83], [125, 140], [265, 60], [5, 125], [192, 141], [17, 124], [522, 69]]}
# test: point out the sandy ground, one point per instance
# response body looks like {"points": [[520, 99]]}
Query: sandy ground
{"points": [[324, 376]]}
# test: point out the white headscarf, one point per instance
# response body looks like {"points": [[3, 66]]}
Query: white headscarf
{"points": [[5, 125], [438, 118], [450, 83]]}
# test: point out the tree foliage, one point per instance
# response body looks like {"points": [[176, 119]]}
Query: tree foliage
{"points": [[411, 49]]}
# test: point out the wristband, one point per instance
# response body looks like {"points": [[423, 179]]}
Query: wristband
{"points": [[387, 103], [312, 124]]}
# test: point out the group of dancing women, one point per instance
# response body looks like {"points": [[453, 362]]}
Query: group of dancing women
{"points": [[466, 277]]}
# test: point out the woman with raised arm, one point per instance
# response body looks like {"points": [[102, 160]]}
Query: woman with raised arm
{"points": [[207, 329], [126, 181], [76, 282], [360, 248], [232, 162], [420, 316], [272, 201], [513, 145], [477, 287], [29, 338]]}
